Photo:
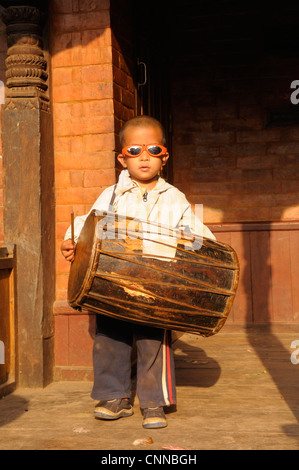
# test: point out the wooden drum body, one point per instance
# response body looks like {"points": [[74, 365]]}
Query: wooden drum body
{"points": [[191, 292]]}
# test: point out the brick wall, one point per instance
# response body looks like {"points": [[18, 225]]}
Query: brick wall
{"points": [[82, 90], [238, 173], [226, 154], [123, 61], [93, 94], [84, 143]]}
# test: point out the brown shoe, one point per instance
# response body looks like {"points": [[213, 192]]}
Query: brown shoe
{"points": [[113, 409], [154, 418]]}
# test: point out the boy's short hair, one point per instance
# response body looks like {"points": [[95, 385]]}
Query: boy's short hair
{"points": [[141, 121]]}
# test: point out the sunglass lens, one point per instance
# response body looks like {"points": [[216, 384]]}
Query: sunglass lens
{"points": [[154, 149], [134, 150]]}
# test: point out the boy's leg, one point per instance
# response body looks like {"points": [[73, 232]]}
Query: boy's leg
{"points": [[155, 367], [112, 359]]}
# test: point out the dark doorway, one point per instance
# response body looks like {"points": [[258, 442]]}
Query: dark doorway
{"points": [[153, 88], [142, 31]]}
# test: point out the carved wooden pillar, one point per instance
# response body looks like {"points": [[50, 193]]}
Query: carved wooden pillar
{"points": [[29, 187], [26, 65]]}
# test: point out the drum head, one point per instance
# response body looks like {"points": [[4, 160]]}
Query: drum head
{"points": [[84, 260]]}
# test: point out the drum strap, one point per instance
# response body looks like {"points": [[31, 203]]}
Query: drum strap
{"points": [[112, 198]]}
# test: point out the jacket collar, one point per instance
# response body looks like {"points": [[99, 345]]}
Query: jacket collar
{"points": [[125, 183]]}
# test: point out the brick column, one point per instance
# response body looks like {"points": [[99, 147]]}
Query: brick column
{"points": [[84, 150]]}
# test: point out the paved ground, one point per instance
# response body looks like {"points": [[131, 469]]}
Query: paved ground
{"points": [[236, 390]]}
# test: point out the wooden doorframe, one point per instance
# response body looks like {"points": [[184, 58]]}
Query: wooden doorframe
{"points": [[8, 323]]}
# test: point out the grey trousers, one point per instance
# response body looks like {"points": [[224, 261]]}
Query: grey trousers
{"points": [[112, 363]]}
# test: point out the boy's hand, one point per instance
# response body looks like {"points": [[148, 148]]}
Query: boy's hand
{"points": [[68, 249]]}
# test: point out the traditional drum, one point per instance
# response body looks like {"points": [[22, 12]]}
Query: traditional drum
{"points": [[113, 274]]}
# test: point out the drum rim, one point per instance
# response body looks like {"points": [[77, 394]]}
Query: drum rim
{"points": [[75, 299]]}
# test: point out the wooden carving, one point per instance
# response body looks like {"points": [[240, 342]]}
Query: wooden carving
{"points": [[26, 65]]}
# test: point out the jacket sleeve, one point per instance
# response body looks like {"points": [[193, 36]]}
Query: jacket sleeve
{"points": [[101, 204], [192, 222]]}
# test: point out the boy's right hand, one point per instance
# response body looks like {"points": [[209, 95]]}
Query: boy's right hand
{"points": [[68, 249]]}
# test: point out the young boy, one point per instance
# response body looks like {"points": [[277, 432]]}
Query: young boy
{"points": [[140, 192]]}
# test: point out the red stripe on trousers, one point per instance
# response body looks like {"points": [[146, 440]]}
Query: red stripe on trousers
{"points": [[168, 373]]}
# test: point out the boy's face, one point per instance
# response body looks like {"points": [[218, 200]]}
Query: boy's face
{"points": [[144, 168]]}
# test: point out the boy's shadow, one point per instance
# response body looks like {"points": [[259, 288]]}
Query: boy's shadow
{"points": [[12, 407], [192, 366]]}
